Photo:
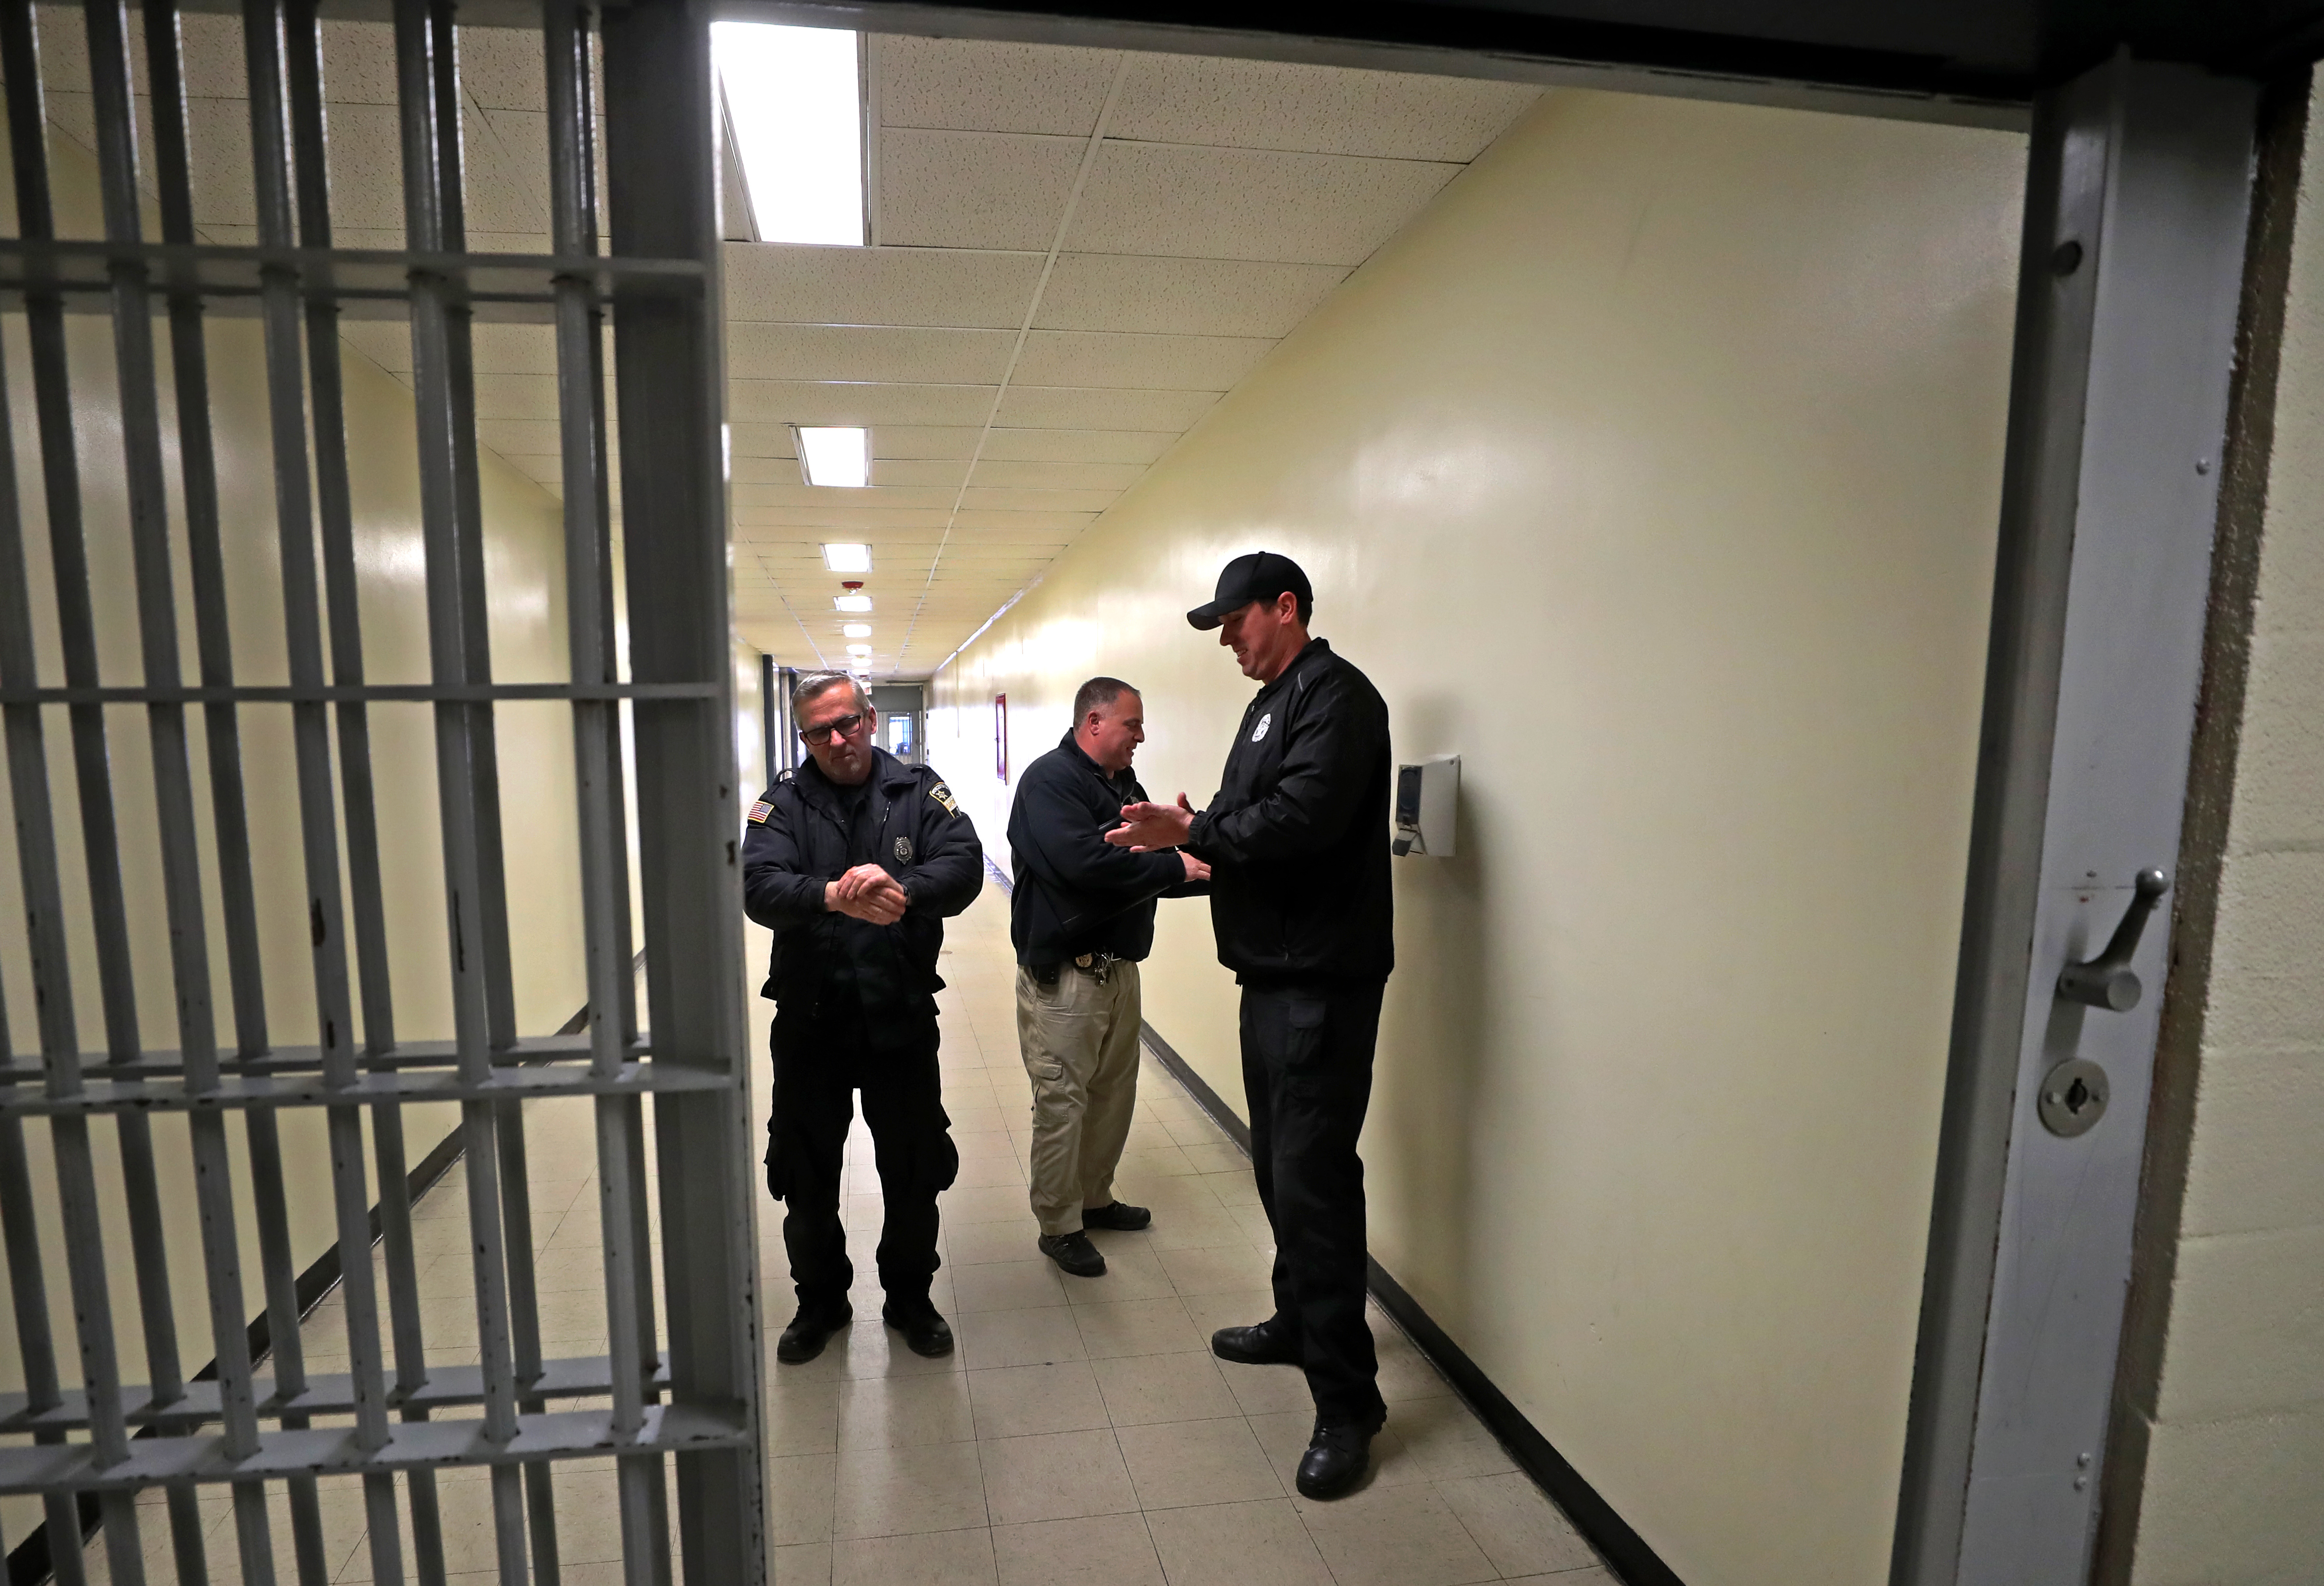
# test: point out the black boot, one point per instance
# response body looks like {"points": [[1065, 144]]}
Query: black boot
{"points": [[1118, 1215], [1272, 1342], [810, 1329], [924, 1331], [1073, 1252], [1336, 1460]]}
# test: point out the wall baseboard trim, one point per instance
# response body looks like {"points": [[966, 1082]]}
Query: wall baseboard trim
{"points": [[30, 1563], [1631, 1558]]}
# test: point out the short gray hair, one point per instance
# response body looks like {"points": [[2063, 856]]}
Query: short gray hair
{"points": [[811, 685]]}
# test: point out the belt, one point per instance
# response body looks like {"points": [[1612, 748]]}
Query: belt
{"points": [[1098, 966]]}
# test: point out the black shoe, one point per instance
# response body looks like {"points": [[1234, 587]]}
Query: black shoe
{"points": [[1117, 1216], [810, 1329], [1269, 1343], [925, 1333], [1075, 1253], [1335, 1460]]}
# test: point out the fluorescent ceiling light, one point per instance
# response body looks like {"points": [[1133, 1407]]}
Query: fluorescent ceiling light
{"points": [[847, 558], [857, 630], [836, 458], [794, 100], [851, 603], [860, 651]]}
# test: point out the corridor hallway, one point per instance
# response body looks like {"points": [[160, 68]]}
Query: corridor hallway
{"points": [[1081, 1432]]}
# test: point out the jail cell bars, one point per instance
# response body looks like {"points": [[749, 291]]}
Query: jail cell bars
{"points": [[208, 1421]]}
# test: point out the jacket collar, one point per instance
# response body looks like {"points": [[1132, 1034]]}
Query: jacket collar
{"points": [[1315, 653], [1073, 742], [887, 771]]}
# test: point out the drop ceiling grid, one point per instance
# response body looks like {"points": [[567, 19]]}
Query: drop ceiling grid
{"points": [[1226, 200]]}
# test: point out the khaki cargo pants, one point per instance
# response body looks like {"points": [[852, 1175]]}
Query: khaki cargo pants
{"points": [[1080, 1045]]}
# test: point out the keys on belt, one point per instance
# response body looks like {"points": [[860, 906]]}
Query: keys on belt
{"points": [[1098, 966]]}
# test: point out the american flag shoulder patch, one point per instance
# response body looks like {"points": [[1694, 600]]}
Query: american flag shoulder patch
{"points": [[761, 811]]}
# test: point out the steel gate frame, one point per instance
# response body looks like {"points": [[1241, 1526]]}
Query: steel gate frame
{"points": [[659, 283]]}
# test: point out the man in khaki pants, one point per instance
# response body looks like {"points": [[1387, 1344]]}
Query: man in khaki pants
{"points": [[1081, 917]]}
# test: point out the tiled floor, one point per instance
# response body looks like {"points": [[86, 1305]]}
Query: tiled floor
{"points": [[1081, 1432]]}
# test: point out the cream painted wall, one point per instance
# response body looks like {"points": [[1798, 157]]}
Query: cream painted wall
{"points": [[1655, 471], [2234, 1488], [524, 569]]}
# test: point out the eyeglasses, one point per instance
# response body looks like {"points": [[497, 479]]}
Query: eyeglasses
{"points": [[841, 727]]}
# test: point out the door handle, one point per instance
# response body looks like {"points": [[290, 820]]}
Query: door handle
{"points": [[2108, 980]]}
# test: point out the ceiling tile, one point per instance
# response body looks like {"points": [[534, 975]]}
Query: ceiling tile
{"points": [[1322, 109], [858, 521], [925, 441], [762, 441], [1114, 476], [799, 401], [1183, 297], [950, 189], [519, 437], [1077, 446], [944, 473], [1257, 204], [503, 67], [1057, 407], [1168, 363], [862, 352], [1007, 500], [516, 396], [878, 286], [792, 493], [972, 85], [1058, 525], [358, 58]]}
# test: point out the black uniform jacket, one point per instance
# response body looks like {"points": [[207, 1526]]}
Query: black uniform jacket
{"points": [[797, 838], [1075, 892], [1297, 837]]}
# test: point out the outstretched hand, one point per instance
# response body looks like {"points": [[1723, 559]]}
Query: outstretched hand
{"points": [[1147, 826]]}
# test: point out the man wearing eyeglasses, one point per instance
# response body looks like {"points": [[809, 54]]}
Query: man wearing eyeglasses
{"points": [[854, 861]]}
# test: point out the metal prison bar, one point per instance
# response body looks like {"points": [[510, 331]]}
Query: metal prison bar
{"points": [[404, 1417]]}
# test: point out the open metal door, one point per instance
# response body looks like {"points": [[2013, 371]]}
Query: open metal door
{"points": [[402, 1417]]}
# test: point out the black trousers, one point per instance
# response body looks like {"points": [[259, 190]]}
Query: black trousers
{"points": [[1307, 1075], [819, 1065]]}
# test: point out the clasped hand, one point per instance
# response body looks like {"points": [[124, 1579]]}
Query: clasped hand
{"points": [[1147, 826], [867, 892]]}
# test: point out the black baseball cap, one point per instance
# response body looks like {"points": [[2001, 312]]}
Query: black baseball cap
{"points": [[1261, 576]]}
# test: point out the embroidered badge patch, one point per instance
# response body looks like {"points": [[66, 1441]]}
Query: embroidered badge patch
{"points": [[943, 795], [761, 811], [1260, 731], [903, 851]]}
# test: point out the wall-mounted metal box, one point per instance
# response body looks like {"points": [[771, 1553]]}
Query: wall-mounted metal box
{"points": [[1426, 795]]}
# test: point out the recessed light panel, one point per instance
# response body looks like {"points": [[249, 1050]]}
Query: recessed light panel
{"points": [[847, 558], [835, 458], [857, 630], [794, 98], [860, 651], [851, 603]]}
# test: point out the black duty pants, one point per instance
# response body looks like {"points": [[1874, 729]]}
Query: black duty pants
{"points": [[1307, 1075], [819, 1064]]}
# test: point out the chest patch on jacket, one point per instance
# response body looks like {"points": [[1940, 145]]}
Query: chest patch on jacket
{"points": [[1260, 731], [943, 795], [761, 811], [903, 851]]}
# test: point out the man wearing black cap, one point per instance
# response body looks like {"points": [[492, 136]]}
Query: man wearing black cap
{"points": [[1297, 841]]}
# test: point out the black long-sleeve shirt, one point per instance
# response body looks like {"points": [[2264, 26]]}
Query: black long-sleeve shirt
{"points": [[807, 832], [1297, 835], [1075, 892]]}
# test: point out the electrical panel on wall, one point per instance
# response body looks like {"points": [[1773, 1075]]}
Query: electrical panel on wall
{"points": [[1426, 795]]}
